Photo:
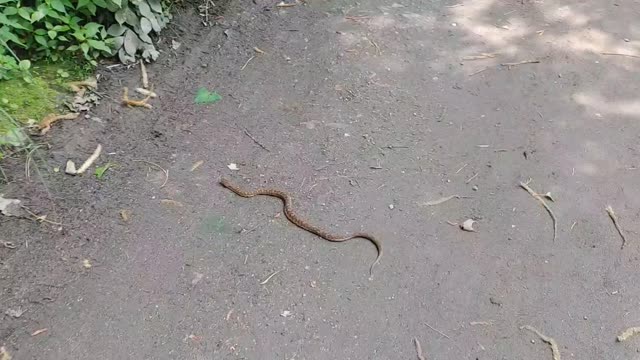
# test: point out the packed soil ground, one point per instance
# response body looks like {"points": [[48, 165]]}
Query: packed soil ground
{"points": [[367, 113]]}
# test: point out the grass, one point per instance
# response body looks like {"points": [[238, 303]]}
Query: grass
{"points": [[30, 103]]}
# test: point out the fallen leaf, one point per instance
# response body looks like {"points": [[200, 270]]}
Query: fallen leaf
{"points": [[171, 202], [70, 168], [86, 263], [204, 96], [233, 166], [196, 165], [467, 225], [146, 92], [14, 313], [10, 207], [175, 45], [125, 214], [286, 313], [100, 170], [40, 331]]}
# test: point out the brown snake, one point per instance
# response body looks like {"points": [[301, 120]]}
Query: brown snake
{"points": [[288, 211]]}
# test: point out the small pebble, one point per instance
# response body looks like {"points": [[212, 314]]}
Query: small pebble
{"points": [[475, 188], [391, 206]]}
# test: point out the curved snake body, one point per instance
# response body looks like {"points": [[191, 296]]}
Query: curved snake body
{"points": [[290, 214]]}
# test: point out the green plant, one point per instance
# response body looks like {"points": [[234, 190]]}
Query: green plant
{"points": [[57, 29], [10, 64]]}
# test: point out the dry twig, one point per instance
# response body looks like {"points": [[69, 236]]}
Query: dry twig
{"points": [[134, 103], [269, 277], [510, 64], [620, 54], [443, 200], [166, 172], [614, 218], [247, 63], [554, 345], [145, 77], [418, 349], [254, 140], [541, 200]]}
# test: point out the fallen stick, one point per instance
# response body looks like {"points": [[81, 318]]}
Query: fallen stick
{"points": [[614, 218], [541, 200], [418, 349], [628, 333], [145, 77], [438, 331], [134, 103], [247, 63], [510, 64], [443, 200], [246, 132], [554, 345], [90, 160], [478, 57], [269, 277], [620, 54]]}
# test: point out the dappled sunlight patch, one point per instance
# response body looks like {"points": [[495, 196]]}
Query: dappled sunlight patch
{"points": [[600, 106]]}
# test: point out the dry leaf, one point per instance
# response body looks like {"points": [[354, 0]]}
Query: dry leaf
{"points": [[86, 263], [467, 225], [196, 165], [233, 166], [171, 202], [286, 313], [40, 331], [125, 214], [146, 92]]}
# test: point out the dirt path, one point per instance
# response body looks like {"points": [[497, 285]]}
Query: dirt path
{"points": [[364, 112]]}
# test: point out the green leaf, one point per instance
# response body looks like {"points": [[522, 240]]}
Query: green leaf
{"points": [[155, 6], [145, 25], [85, 48], [4, 20], [37, 15], [24, 65], [100, 170], [10, 11], [91, 29], [79, 35], [41, 32], [120, 16], [99, 45], [63, 38], [58, 5], [117, 2], [61, 28], [24, 13], [52, 34], [73, 48], [100, 3], [6, 35], [203, 96], [144, 9], [41, 40], [131, 43], [82, 4]]}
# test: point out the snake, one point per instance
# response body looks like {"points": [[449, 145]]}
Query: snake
{"points": [[298, 221]]}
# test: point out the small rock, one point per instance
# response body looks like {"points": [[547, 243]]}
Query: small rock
{"points": [[286, 313], [391, 206], [475, 188]]}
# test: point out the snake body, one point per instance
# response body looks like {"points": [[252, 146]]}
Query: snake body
{"points": [[296, 220]]}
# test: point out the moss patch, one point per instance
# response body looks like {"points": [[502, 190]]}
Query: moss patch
{"points": [[27, 101], [42, 97]]}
